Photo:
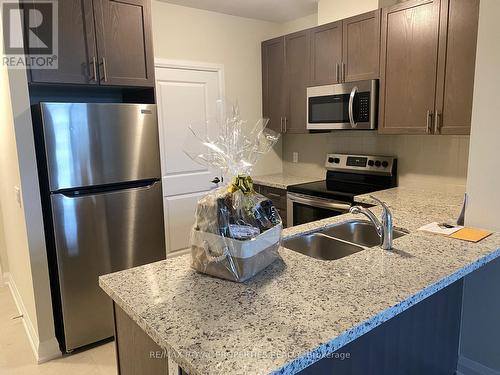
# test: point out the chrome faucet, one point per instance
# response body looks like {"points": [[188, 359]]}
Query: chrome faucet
{"points": [[384, 229]]}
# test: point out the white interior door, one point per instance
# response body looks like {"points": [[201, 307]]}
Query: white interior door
{"points": [[185, 96]]}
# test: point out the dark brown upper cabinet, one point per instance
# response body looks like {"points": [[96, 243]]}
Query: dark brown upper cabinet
{"points": [[428, 63], [102, 42], [326, 53], [296, 81], [410, 34], [273, 82], [77, 53], [456, 66], [285, 76], [347, 50], [124, 42], [361, 47]]}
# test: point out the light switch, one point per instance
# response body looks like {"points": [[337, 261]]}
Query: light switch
{"points": [[295, 157], [17, 191]]}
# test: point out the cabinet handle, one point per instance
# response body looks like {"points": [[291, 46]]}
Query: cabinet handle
{"points": [[281, 124], [105, 77], [286, 121], [437, 123], [343, 72], [429, 121], [337, 68], [94, 69]]}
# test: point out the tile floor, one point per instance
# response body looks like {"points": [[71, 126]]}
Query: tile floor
{"points": [[16, 356]]}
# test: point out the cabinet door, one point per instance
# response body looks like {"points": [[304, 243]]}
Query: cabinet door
{"points": [[124, 42], [273, 82], [457, 60], [361, 46], [297, 78], [326, 53], [409, 66], [77, 46]]}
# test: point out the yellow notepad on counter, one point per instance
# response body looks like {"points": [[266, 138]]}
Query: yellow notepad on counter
{"points": [[470, 234]]}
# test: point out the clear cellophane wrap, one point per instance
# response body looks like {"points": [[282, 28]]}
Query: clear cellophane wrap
{"points": [[237, 232]]}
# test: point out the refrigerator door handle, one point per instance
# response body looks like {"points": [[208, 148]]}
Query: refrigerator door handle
{"points": [[95, 190]]}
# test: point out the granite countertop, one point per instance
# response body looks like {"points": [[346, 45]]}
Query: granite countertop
{"points": [[299, 309], [282, 180]]}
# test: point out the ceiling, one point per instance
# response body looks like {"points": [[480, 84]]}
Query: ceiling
{"points": [[267, 10]]}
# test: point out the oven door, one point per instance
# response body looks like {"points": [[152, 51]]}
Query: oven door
{"points": [[350, 105], [303, 209]]}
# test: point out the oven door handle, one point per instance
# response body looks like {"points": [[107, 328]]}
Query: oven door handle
{"points": [[351, 107], [319, 203]]}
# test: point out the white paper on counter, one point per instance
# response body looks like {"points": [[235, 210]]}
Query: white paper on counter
{"points": [[435, 228]]}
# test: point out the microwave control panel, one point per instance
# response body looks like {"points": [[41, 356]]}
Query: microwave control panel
{"points": [[364, 107]]}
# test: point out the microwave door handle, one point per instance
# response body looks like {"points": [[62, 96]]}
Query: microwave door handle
{"points": [[351, 105]]}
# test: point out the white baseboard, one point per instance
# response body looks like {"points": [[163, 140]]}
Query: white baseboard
{"points": [[43, 350], [467, 366]]}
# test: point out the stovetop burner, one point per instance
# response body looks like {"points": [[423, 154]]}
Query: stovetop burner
{"points": [[351, 175]]}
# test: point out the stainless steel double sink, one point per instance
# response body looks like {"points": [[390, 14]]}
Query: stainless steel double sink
{"points": [[338, 241]]}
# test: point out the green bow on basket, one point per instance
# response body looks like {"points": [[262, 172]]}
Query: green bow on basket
{"points": [[243, 183]]}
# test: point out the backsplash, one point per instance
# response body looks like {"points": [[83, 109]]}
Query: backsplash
{"points": [[422, 159]]}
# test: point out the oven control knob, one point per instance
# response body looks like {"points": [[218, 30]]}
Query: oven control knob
{"points": [[385, 164], [330, 160], [371, 163], [336, 160], [377, 163]]}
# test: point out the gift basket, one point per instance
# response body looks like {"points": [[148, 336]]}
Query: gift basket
{"points": [[237, 231]]}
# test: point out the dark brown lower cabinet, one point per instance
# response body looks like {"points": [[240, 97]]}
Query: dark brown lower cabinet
{"points": [[136, 353], [277, 196]]}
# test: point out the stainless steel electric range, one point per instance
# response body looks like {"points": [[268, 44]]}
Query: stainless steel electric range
{"points": [[346, 177]]}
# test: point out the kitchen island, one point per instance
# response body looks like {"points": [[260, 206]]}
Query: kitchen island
{"points": [[300, 309]]}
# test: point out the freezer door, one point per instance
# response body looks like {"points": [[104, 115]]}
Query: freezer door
{"points": [[99, 144], [95, 235]]}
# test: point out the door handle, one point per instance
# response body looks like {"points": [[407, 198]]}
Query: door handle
{"points": [[216, 180], [351, 107], [429, 121]]}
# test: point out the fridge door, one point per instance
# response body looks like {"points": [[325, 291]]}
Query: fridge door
{"points": [[97, 234], [100, 144]]}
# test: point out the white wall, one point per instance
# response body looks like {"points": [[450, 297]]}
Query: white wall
{"points": [[22, 223], [483, 185], [184, 33], [479, 344], [333, 10], [299, 24], [4, 267]]}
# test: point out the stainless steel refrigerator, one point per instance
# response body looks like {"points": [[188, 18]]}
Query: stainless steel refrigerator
{"points": [[105, 197]]}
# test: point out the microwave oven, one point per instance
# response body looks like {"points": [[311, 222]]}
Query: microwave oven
{"points": [[343, 106]]}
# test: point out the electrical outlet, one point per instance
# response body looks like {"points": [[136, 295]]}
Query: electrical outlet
{"points": [[295, 157], [17, 192]]}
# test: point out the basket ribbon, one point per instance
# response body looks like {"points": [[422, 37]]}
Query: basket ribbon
{"points": [[243, 183]]}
